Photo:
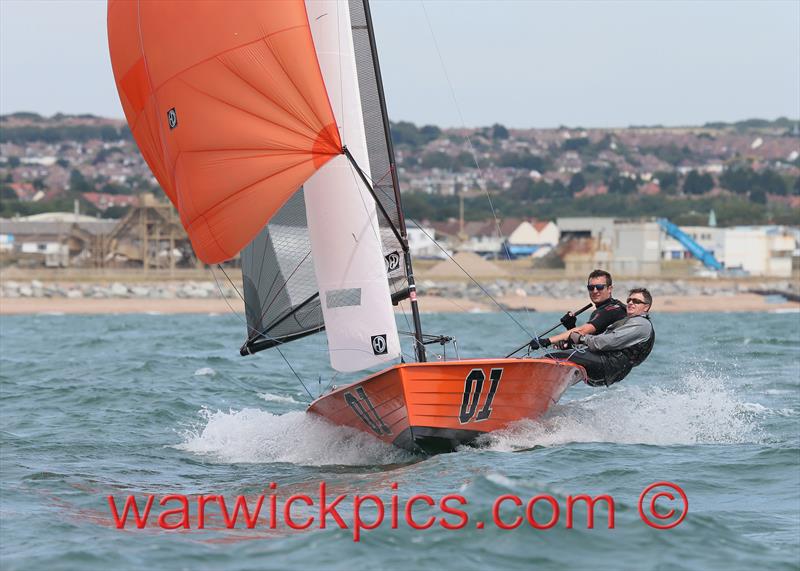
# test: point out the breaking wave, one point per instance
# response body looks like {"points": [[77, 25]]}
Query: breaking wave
{"points": [[695, 410], [256, 436], [205, 372], [269, 397]]}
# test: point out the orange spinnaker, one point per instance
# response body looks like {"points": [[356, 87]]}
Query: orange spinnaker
{"points": [[227, 104]]}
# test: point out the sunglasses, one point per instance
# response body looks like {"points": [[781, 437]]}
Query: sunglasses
{"points": [[636, 301], [598, 287]]}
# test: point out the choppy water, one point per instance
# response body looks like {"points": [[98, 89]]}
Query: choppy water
{"points": [[154, 404]]}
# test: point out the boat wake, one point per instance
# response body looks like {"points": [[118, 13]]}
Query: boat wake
{"points": [[257, 436], [695, 410]]}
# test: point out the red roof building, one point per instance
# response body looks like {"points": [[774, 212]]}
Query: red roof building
{"points": [[103, 201]]}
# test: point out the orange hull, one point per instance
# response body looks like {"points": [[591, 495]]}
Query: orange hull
{"points": [[435, 407]]}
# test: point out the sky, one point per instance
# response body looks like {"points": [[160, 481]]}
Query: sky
{"points": [[460, 63]]}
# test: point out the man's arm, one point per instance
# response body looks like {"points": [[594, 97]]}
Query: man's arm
{"points": [[630, 333], [585, 329]]}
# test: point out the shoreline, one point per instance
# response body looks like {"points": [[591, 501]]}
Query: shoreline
{"points": [[739, 302]]}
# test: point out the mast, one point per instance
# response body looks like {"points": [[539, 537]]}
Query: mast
{"points": [[419, 348]]}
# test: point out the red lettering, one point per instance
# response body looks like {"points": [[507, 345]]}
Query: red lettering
{"points": [[325, 509], [657, 513], [130, 502], [453, 511], [395, 508], [201, 509], [287, 511], [241, 502], [496, 512], [358, 525], [532, 505], [590, 501], [183, 510], [273, 507], [409, 506]]}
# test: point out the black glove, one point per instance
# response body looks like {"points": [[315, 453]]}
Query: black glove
{"points": [[569, 320], [539, 343]]}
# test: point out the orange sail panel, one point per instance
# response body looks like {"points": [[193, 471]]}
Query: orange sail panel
{"points": [[227, 104]]}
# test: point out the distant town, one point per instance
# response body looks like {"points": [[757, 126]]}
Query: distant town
{"points": [[494, 191]]}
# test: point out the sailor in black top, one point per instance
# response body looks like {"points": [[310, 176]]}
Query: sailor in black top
{"points": [[604, 314], [607, 311]]}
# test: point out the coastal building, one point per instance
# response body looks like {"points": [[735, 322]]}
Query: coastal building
{"points": [[532, 238], [754, 250], [760, 250], [104, 201], [422, 245], [709, 237], [515, 237], [599, 229], [54, 239], [636, 248]]}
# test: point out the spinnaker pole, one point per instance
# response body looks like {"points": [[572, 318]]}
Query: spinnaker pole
{"points": [[419, 347]]}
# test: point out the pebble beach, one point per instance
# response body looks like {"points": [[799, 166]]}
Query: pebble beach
{"points": [[199, 296]]}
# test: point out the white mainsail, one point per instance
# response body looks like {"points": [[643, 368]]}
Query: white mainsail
{"points": [[342, 219]]}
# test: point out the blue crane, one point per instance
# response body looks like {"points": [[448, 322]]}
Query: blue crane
{"points": [[694, 248]]}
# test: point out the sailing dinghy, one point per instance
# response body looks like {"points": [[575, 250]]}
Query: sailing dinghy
{"points": [[266, 126]]}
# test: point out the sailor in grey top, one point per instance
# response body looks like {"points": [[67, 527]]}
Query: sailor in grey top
{"points": [[621, 334]]}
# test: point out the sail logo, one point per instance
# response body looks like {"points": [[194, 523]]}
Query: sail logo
{"points": [[367, 413], [379, 345], [473, 386], [392, 261], [172, 118]]}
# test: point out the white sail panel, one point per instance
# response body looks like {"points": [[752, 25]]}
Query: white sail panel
{"points": [[342, 218]]}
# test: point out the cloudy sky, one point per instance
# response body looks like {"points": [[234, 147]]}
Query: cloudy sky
{"points": [[466, 63]]}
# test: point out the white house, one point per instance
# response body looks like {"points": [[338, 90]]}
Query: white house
{"points": [[421, 245], [536, 233], [760, 251]]}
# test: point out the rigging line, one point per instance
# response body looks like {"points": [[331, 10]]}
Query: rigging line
{"points": [[463, 309], [328, 386], [236, 313], [263, 334], [285, 284], [466, 273], [466, 136], [404, 313], [229, 280], [260, 333], [295, 372], [476, 282]]}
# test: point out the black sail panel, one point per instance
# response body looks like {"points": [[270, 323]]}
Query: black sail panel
{"points": [[280, 290]]}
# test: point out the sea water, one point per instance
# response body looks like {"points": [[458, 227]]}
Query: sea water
{"points": [[160, 405]]}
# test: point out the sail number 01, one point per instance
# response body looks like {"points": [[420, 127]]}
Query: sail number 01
{"points": [[473, 386]]}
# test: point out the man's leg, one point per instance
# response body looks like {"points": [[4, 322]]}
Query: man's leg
{"points": [[588, 360]]}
